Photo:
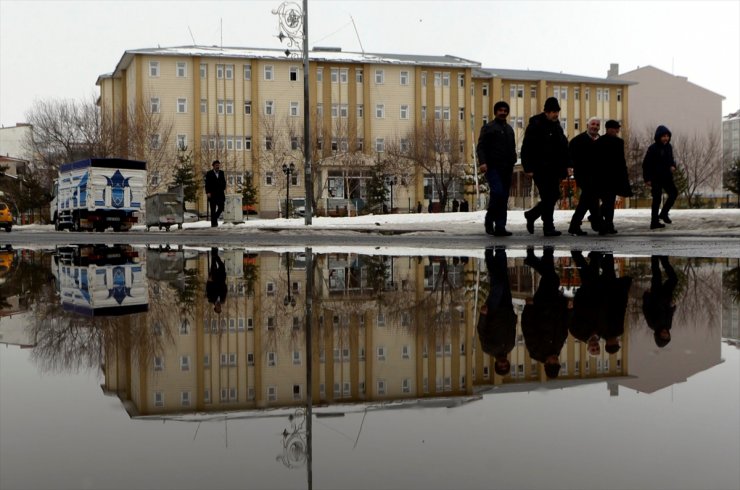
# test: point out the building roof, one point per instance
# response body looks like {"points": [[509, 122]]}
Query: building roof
{"points": [[317, 54], [536, 75], [650, 68]]}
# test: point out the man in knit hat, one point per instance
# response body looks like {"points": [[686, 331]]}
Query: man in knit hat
{"points": [[545, 158]]}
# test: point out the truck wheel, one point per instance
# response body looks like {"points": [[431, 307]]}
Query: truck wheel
{"points": [[8, 228], [116, 228]]}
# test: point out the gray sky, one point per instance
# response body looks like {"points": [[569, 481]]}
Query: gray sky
{"points": [[57, 49]]}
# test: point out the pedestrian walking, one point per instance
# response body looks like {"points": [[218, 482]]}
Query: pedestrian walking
{"points": [[583, 154], [496, 153], [216, 191], [464, 206], [455, 206], [657, 170], [545, 158], [418, 207], [614, 180]]}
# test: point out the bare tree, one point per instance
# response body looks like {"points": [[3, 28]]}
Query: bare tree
{"points": [[699, 159]]}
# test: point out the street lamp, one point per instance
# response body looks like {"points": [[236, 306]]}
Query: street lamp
{"points": [[391, 181], [288, 299], [288, 170]]}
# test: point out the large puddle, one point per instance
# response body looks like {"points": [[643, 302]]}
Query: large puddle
{"points": [[132, 367]]}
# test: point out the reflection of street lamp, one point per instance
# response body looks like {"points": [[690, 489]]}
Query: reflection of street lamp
{"points": [[288, 171], [391, 181], [288, 299]]}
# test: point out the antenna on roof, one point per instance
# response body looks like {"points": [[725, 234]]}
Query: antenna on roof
{"points": [[192, 37], [358, 35]]}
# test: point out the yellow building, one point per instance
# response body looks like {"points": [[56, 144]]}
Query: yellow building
{"points": [[245, 107]]}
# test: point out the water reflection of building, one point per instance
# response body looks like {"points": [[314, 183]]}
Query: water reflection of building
{"points": [[13, 303], [384, 328], [731, 303]]}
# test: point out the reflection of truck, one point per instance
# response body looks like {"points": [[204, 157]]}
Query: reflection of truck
{"points": [[95, 280], [98, 193]]}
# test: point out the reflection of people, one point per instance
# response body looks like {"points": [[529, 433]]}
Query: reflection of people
{"points": [[657, 302], [544, 319], [215, 190], [600, 304], [497, 321], [216, 284]]}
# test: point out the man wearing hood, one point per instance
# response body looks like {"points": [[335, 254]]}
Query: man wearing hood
{"points": [[657, 170], [545, 158]]}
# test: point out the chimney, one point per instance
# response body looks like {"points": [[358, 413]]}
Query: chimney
{"points": [[613, 70]]}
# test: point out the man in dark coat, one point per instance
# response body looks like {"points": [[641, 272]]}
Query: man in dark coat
{"points": [[496, 152], [216, 191], [497, 322], [614, 180], [657, 302], [545, 316], [657, 170], [585, 168], [216, 283], [545, 158]]}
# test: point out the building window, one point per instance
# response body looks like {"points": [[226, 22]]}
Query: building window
{"points": [[485, 90], [359, 75], [268, 142], [319, 74], [576, 93], [343, 110], [599, 94], [220, 106], [606, 95], [293, 143], [268, 72], [158, 363], [248, 143], [181, 70], [296, 357], [184, 363], [405, 352], [563, 93], [334, 73], [203, 70], [380, 145], [423, 113], [203, 106], [577, 124], [229, 72], [446, 79], [520, 91], [220, 72], [360, 111], [182, 144], [269, 178], [343, 75], [154, 105], [587, 93], [269, 107], [293, 73], [334, 110], [154, 141], [461, 113], [248, 107], [271, 359], [460, 80], [619, 95], [229, 106], [404, 111], [294, 109], [379, 77], [446, 113], [154, 68], [381, 353], [381, 387], [380, 111], [423, 79], [182, 105], [247, 72], [158, 399], [404, 78], [404, 145]]}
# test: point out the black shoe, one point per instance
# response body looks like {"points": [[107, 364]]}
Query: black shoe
{"points": [[665, 218], [530, 223], [502, 232], [490, 231], [576, 231], [656, 224], [611, 231], [552, 233]]}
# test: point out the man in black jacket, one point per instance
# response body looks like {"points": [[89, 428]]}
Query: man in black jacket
{"points": [[613, 177], [545, 158], [216, 191], [585, 167], [496, 152], [657, 170]]}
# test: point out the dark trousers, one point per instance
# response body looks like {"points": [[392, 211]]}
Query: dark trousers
{"points": [[499, 182], [217, 207], [588, 201], [657, 191], [549, 189], [607, 210]]}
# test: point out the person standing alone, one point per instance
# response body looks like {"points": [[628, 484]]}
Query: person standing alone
{"points": [[496, 152], [216, 191], [545, 158], [657, 170]]}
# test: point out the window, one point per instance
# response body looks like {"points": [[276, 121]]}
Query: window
{"points": [[577, 124], [334, 110], [446, 79], [294, 109], [576, 93], [423, 112], [154, 142], [296, 357], [343, 75], [404, 111], [423, 79], [358, 75], [437, 113], [334, 75], [203, 106], [181, 70], [520, 91], [182, 144], [270, 180], [154, 105], [271, 359], [587, 93], [619, 95], [154, 68], [461, 113], [360, 110], [158, 399], [319, 74], [184, 363], [381, 353], [446, 113], [297, 392], [606, 95], [203, 70], [248, 143], [485, 90], [268, 142], [598, 94], [343, 110], [229, 71], [293, 73], [220, 106], [268, 72], [229, 106], [379, 77], [404, 78], [220, 72], [248, 107], [406, 386], [404, 145], [182, 105], [460, 80], [250, 324], [563, 93], [533, 91], [230, 146], [250, 359], [294, 143], [380, 111], [380, 145], [247, 72], [437, 79], [269, 107], [158, 363], [381, 387], [405, 352]]}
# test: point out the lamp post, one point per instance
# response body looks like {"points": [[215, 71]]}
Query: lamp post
{"points": [[288, 170], [293, 20], [391, 181], [288, 299]]}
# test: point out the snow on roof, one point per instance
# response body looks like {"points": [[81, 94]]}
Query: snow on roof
{"points": [[510, 74]]}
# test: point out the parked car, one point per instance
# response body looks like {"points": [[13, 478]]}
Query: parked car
{"points": [[6, 217]]}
